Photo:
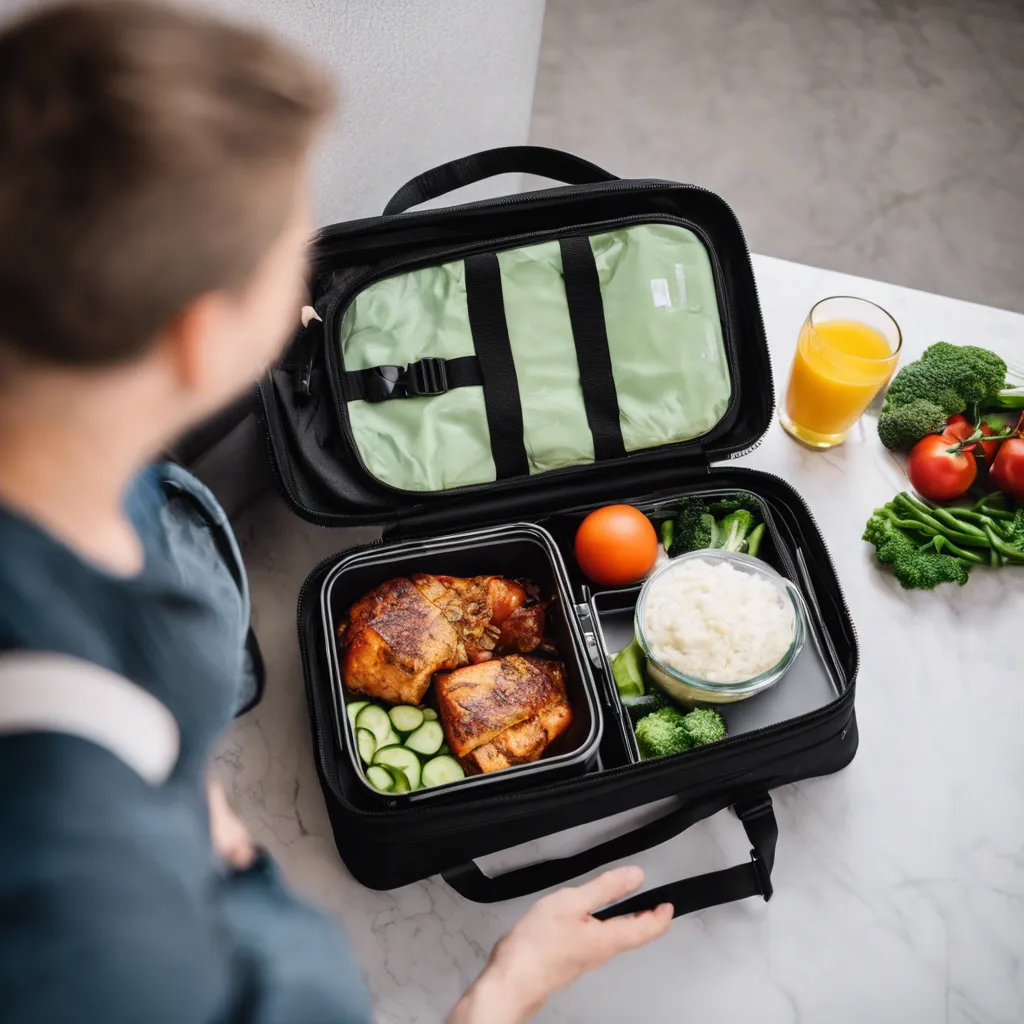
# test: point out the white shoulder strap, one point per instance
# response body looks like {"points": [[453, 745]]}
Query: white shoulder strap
{"points": [[42, 692]]}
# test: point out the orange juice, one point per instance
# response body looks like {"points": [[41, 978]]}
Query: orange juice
{"points": [[839, 367]]}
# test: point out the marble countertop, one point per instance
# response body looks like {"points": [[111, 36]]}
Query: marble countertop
{"points": [[899, 882]]}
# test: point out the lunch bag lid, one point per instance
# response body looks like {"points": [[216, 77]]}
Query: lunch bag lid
{"points": [[510, 356]]}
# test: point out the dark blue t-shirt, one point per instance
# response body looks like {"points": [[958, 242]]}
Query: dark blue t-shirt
{"points": [[112, 907]]}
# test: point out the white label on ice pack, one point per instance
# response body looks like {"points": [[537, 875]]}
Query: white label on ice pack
{"points": [[659, 289]]}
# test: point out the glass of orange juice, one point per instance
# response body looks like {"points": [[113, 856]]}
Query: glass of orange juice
{"points": [[847, 351]]}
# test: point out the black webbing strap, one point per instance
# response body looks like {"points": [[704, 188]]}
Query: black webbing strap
{"points": [[686, 895], [494, 353], [586, 313], [428, 377], [716, 887]]}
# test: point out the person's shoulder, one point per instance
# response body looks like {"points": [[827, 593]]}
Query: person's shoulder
{"points": [[93, 890]]}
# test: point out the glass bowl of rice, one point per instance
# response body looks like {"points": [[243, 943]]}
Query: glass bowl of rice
{"points": [[718, 627]]}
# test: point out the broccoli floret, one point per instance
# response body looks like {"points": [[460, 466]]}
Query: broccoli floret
{"points": [[946, 380], [974, 373], [668, 731], [705, 725], [733, 530], [663, 733], [693, 528], [900, 427], [723, 506], [915, 569], [923, 381]]}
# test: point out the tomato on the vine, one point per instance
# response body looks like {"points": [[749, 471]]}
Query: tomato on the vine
{"points": [[1008, 469], [939, 473], [959, 428]]}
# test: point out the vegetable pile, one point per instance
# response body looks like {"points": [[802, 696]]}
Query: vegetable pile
{"points": [[927, 545], [730, 524], [660, 727], [961, 422], [946, 380]]}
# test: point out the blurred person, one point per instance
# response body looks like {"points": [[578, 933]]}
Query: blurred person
{"points": [[153, 229]]}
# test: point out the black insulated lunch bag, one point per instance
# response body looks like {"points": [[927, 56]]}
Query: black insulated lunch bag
{"points": [[477, 379]]}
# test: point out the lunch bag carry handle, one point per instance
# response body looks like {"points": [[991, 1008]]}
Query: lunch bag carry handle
{"points": [[539, 160], [686, 895]]}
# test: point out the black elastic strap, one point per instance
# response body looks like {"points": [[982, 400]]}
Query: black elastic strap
{"points": [[586, 313], [686, 895], [494, 353], [456, 174], [425, 378]]}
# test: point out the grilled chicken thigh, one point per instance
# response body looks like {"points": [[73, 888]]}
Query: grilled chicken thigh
{"points": [[397, 636], [503, 712], [394, 640]]}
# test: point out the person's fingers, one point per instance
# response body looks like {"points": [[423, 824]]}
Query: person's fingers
{"points": [[241, 853], [608, 887], [634, 930], [228, 835]]}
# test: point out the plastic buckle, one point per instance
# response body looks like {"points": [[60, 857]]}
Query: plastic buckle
{"points": [[764, 879], [427, 377], [383, 382], [748, 810], [417, 380]]}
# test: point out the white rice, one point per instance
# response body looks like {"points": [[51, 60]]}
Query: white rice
{"points": [[715, 622]]}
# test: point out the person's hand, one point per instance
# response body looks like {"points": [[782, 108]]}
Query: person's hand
{"points": [[230, 838], [555, 942]]}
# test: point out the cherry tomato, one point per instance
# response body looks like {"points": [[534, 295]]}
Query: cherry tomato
{"points": [[1008, 469], [936, 473], [959, 428], [616, 545]]}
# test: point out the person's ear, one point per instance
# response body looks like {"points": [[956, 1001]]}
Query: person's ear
{"points": [[194, 341]]}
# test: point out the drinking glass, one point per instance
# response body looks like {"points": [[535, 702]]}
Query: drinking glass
{"points": [[846, 353]]}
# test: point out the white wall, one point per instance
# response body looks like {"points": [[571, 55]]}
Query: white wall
{"points": [[420, 81]]}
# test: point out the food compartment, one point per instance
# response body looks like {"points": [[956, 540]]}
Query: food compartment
{"points": [[517, 552], [811, 683]]}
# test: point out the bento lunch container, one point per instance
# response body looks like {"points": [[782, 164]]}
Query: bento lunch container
{"points": [[520, 551], [693, 690]]}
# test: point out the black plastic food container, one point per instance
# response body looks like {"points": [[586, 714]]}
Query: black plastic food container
{"points": [[518, 551]]}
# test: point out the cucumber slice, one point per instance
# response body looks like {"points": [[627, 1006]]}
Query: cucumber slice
{"points": [[430, 714], [401, 758], [406, 718], [366, 743], [376, 720], [353, 709], [401, 779], [427, 739], [391, 739], [445, 749], [380, 778], [440, 770]]}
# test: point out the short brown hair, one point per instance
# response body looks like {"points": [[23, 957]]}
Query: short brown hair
{"points": [[147, 155]]}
